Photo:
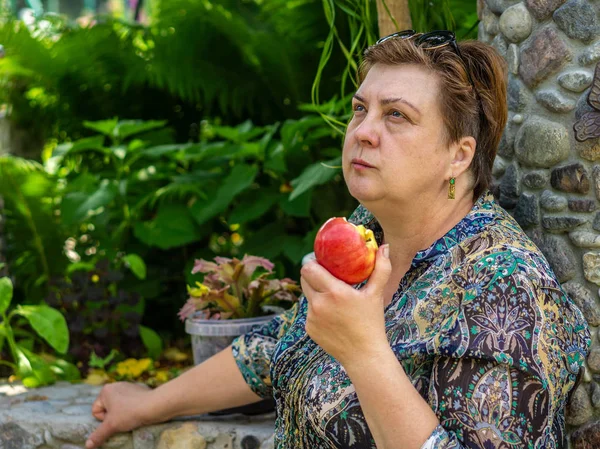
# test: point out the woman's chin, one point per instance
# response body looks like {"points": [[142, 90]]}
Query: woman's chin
{"points": [[364, 194]]}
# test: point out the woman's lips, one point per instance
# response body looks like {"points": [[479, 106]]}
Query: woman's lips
{"points": [[360, 164]]}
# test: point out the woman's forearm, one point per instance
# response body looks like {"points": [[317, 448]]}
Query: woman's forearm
{"points": [[213, 385], [397, 415]]}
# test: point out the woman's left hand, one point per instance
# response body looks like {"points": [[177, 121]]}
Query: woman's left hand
{"points": [[348, 324]]}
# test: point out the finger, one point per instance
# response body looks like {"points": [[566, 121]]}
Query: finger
{"points": [[320, 279], [98, 408], [99, 436], [381, 273], [307, 289]]}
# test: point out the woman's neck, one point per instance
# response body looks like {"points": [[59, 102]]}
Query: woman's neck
{"points": [[410, 228]]}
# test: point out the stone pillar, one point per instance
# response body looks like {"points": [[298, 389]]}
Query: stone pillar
{"points": [[549, 181]]}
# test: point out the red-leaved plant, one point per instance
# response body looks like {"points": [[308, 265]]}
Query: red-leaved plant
{"points": [[234, 288]]}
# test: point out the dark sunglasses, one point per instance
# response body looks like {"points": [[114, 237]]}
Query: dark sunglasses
{"points": [[430, 41]]}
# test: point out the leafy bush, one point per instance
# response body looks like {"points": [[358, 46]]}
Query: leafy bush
{"points": [[130, 190], [47, 323]]}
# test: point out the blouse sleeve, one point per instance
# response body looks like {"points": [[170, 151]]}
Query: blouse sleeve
{"points": [[253, 351], [508, 360], [488, 405]]}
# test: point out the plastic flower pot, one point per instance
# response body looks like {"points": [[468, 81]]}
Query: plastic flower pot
{"points": [[212, 336]]}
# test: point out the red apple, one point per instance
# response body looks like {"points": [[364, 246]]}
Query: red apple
{"points": [[347, 251]]}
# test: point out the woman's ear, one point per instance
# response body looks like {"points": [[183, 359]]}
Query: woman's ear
{"points": [[464, 152]]}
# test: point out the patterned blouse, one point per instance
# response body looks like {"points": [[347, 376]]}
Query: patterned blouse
{"points": [[481, 327]]}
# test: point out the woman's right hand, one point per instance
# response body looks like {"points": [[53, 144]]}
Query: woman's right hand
{"points": [[121, 407]]}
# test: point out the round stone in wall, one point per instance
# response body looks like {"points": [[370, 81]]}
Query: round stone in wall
{"points": [[552, 202], [593, 360], [590, 55], [518, 95], [585, 239], [527, 211], [515, 23], [558, 252], [582, 205], [582, 297], [554, 101], [577, 18], [499, 166], [591, 266], [579, 410], [589, 149], [489, 21], [500, 44], [542, 9], [586, 437], [499, 6], [536, 179], [542, 143], [596, 223], [542, 54], [510, 189], [562, 224], [576, 80], [572, 178]]}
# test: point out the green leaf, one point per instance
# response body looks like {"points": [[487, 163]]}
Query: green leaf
{"points": [[314, 175], [95, 143], [172, 226], [128, 128], [76, 266], [33, 369], [152, 342], [293, 248], [267, 242], [101, 363], [106, 127], [136, 265], [254, 207], [76, 205], [64, 370], [299, 206], [49, 323], [6, 293], [241, 177], [162, 150], [275, 158]]}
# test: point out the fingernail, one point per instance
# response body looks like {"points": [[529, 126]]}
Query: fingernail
{"points": [[386, 251], [89, 444]]}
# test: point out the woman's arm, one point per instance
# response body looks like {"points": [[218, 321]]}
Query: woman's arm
{"points": [[213, 385], [397, 415]]}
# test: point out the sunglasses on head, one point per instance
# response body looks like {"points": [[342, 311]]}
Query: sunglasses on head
{"points": [[431, 41]]}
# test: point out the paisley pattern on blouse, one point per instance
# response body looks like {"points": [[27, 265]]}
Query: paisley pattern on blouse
{"points": [[481, 327]]}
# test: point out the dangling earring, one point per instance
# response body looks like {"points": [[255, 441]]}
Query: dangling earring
{"points": [[451, 188]]}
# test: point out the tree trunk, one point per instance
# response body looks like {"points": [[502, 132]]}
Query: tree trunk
{"points": [[398, 10]]}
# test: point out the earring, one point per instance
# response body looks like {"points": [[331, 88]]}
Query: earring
{"points": [[451, 188]]}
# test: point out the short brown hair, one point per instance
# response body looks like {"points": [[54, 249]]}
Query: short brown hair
{"points": [[481, 114]]}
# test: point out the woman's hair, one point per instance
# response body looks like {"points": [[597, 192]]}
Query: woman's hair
{"points": [[481, 114]]}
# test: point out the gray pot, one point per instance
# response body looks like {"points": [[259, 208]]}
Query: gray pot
{"points": [[212, 336]]}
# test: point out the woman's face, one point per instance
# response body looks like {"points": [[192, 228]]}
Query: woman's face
{"points": [[394, 147]]}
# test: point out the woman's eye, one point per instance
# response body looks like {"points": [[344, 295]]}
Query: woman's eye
{"points": [[359, 108], [397, 114]]}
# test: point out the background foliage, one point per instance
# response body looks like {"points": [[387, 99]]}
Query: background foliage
{"points": [[213, 130]]}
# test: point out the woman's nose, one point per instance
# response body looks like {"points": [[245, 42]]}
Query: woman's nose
{"points": [[367, 133]]}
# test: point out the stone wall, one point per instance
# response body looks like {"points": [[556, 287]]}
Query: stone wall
{"points": [[59, 417], [548, 180]]}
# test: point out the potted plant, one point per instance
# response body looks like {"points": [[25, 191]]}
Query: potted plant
{"points": [[234, 296]]}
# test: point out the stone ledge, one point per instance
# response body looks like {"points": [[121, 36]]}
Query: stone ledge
{"points": [[59, 417]]}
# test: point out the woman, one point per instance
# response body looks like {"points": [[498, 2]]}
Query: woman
{"points": [[461, 337]]}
